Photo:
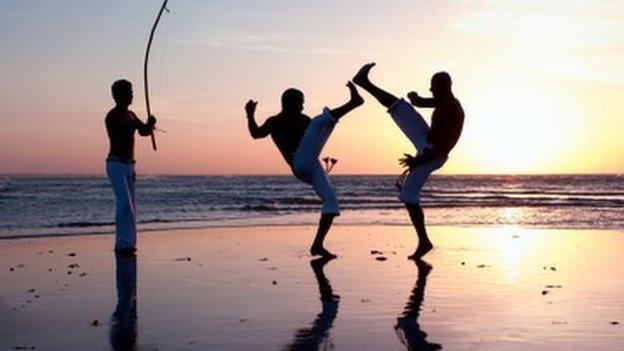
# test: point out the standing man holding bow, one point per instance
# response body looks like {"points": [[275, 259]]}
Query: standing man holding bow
{"points": [[121, 124]]}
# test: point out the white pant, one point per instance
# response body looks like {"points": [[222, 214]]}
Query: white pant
{"points": [[121, 176], [306, 165], [415, 128]]}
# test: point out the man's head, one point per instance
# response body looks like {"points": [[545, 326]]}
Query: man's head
{"points": [[440, 85], [122, 92], [292, 101]]}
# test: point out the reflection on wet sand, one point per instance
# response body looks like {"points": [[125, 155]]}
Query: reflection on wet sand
{"points": [[315, 337], [123, 332], [407, 327]]}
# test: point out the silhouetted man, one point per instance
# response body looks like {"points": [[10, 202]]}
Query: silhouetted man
{"points": [[300, 141], [432, 144], [121, 124]]}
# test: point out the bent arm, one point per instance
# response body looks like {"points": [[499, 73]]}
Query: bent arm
{"points": [[419, 101], [258, 132], [144, 129], [432, 153]]}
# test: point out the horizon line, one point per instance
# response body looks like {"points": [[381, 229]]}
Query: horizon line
{"points": [[35, 174]]}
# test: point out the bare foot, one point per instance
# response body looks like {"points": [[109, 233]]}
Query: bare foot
{"points": [[421, 250], [361, 77], [321, 251], [356, 98]]}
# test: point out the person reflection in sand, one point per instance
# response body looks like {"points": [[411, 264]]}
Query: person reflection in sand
{"points": [[316, 336], [123, 332], [407, 327]]}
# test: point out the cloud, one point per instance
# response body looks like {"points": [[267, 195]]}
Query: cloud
{"points": [[575, 38], [296, 43]]}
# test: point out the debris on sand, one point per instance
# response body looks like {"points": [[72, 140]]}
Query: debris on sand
{"points": [[82, 274], [242, 320], [515, 236], [381, 258], [463, 263], [553, 268], [50, 251], [553, 286], [544, 292], [614, 322], [263, 259], [71, 254], [69, 272], [31, 290], [24, 348], [275, 282], [183, 259], [73, 265], [482, 266], [376, 252], [11, 269], [364, 300], [95, 323], [21, 265], [272, 268]]}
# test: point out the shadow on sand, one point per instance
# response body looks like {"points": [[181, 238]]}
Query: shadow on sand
{"points": [[316, 337], [407, 328], [123, 331]]}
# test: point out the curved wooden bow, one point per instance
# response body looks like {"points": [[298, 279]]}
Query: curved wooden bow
{"points": [[145, 63]]}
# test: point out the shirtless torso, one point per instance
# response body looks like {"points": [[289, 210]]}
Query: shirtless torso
{"points": [[121, 124]]}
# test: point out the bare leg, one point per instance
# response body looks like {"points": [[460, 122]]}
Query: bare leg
{"points": [[355, 101], [418, 219], [361, 79], [317, 246]]}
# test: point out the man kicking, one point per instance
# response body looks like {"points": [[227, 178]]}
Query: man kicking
{"points": [[121, 124], [300, 140], [432, 144]]}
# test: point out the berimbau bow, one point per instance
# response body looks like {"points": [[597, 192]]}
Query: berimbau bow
{"points": [[145, 63]]}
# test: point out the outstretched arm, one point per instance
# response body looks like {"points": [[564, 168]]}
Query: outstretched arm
{"points": [[145, 129], [255, 131], [355, 101], [419, 101]]}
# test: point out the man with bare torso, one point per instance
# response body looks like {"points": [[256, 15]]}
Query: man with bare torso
{"points": [[432, 144], [121, 124], [300, 140]]}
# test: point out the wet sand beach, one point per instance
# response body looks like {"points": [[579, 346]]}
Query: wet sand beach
{"points": [[256, 288]]}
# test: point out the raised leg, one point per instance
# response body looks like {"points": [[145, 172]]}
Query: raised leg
{"points": [[361, 79], [355, 101]]}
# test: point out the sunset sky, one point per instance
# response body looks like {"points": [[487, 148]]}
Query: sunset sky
{"points": [[541, 82]]}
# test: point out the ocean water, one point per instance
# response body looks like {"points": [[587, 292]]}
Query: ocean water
{"points": [[50, 205]]}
